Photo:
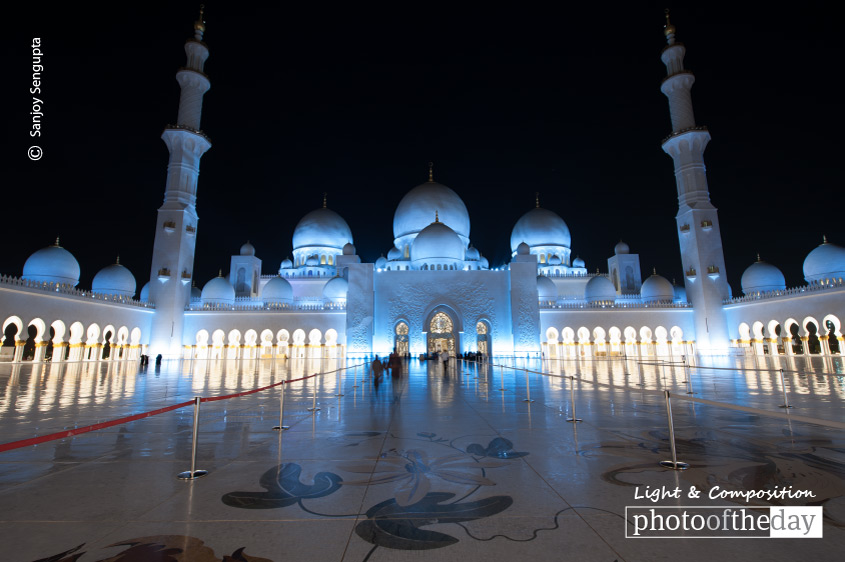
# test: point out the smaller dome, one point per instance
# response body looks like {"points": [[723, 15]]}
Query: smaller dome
{"points": [[145, 293], [348, 249], [114, 280], [578, 262], [52, 264], [599, 289], [287, 264], [825, 262], [277, 290], [437, 242], [218, 291], [762, 277], [546, 288], [381, 262], [555, 260], [196, 294], [621, 248], [247, 249], [394, 254], [472, 253], [657, 289], [336, 289], [483, 263], [523, 249], [312, 261]]}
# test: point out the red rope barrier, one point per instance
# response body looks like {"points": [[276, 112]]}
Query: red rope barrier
{"points": [[88, 428]]}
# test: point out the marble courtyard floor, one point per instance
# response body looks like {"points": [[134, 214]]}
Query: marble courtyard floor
{"points": [[438, 464]]}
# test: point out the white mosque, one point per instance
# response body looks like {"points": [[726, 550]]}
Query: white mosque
{"points": [[433, 291]]}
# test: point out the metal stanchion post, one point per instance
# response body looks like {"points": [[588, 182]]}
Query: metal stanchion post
{"points": [[527, 387], [339, 385], [573, 419], [314, 407], [356, 377], [783, 388], [193, 474], [282, 410], [502, 377], [673, 464]]}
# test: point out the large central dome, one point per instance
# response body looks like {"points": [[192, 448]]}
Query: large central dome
{"points": [[418, 207], [540, 227], [322, 228]]}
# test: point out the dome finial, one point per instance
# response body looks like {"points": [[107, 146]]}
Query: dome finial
{"points": [[758, 257], [57, 242], [117, 261], [219, 273], [669, 29], [436, 217], [324, 199], [431, 171], [654, 271], [824, 240], [537, 199], [199, 25]]}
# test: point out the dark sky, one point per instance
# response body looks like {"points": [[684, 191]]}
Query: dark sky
{"points": [[355, 103]]}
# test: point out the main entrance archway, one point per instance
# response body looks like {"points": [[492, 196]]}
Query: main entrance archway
{"points": [[441, 334]]}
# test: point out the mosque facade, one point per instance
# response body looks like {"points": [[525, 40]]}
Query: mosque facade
{"points": [[433, 291]]}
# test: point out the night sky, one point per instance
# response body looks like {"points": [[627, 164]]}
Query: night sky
{"points": [[356, 103]]}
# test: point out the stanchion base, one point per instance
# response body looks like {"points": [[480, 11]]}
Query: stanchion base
{"points": [[188, 475], [281, 427], [574, 420], [691, 392], [528, 400], [784, 406], [313, 409], [340, 395], [355, 386], [674, 465]]}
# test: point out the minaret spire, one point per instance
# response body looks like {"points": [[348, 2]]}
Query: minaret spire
{"points": [[176, 226], [431, 171], [697, 220]]}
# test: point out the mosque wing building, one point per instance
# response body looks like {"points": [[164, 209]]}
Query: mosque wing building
{"points": [[432, 291]]}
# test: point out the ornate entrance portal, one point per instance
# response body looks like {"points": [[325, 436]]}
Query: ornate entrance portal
{"points": [[401, 342], [440, 334]]}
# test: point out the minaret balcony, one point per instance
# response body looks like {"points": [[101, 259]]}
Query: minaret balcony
{"points": [[186, 277], [713, 272], [706, 224], [685, 228], [169, 226], [192, 231], [163, 274], [691, 274]]}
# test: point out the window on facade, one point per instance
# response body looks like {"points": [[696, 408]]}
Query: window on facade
{"points": [[441, 324]]}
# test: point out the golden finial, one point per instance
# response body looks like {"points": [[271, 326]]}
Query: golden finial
{"points": [[199, 25], [57, 242], [668, 29], [654, 271], [537, 199], [431, 171], [117, 261], [219, 273], [324, 199], [824, 240], [436, 218], [758, 257]]}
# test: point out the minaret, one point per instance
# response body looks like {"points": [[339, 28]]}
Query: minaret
{"points": [[697, 219], [176, 226]]}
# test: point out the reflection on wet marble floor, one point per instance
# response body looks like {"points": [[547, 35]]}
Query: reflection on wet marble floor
{"points": [[437, 463]]}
